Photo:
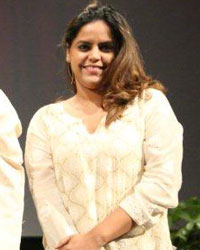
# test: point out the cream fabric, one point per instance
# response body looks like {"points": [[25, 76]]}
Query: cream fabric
{"points": [[11, 177], [77, 178]]}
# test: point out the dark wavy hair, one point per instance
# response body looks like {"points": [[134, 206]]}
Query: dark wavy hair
{"points": [[125, 78]]}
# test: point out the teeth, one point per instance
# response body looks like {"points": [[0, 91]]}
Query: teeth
{"points": [[99, 67]]}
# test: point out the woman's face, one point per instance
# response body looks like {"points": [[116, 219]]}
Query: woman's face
{"points": [[90, 54]]}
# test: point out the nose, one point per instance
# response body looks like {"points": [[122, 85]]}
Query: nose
{"points": [[94, 54]]}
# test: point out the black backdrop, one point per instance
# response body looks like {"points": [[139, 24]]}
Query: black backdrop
{"points": [[168, 33]]}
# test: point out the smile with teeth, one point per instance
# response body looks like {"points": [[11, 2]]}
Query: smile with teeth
{"points": [[93, 69]]}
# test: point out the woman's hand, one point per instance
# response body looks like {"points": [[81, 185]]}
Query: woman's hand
{"points": [[112, 227], [86, 241]]}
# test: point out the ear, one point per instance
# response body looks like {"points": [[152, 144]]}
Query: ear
{"points": [[67, 56]]}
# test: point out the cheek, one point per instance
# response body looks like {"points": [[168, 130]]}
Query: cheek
{"points": [[111, 57], [78, 60], [75, 64]]}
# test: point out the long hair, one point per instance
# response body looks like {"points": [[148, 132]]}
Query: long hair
{"points": [[125, 78]]}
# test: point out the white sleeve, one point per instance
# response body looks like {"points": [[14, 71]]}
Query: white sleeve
{"points": [[53, 216], [161, 180], [11, 177]]}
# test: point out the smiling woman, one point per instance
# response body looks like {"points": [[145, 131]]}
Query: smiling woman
{"points": [[102, 167], [90, 54]]}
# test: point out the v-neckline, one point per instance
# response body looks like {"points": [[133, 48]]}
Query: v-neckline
{"points": [[84, 126], [97, 127]]}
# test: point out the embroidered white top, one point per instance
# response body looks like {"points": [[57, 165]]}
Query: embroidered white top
{"points": [[11, 177], [77, 178]]}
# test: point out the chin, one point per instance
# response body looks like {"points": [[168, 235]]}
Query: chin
{"points": [[92, 86]]}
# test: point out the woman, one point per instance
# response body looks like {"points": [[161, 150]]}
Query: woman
{"points": [[11, 177], [105, 165]]}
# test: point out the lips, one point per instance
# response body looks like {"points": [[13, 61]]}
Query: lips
{"points": [[93, 69]]}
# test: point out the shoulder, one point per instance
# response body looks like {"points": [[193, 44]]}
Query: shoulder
{"points": [[5, 104], [149, 97], [46, 114], [2, 95], [49, 110], [153, 95], [157, 108], [149, 100], [153, 104], [154, 99], [9, 119], [146, 103]]}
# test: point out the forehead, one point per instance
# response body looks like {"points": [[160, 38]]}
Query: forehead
{"points": [[94, 31]]}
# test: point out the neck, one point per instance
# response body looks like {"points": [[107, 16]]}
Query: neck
{"points": [[88, 96]]}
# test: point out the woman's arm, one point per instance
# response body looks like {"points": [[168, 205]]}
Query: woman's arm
{"points": [[53, 216], [161, 181], [113, 226], [11, 177], [158, 189]]}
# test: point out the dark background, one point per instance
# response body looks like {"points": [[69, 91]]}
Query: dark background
{"points": [[168, 33]]}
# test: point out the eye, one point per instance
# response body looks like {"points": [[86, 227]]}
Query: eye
{"points": [[84, 47], [106, 47]]}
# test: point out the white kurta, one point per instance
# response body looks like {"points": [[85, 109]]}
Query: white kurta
{"points": [[11, 177], [77, 178]]}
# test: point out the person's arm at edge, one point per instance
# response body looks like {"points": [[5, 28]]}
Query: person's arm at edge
{"points": [[11, 176]]}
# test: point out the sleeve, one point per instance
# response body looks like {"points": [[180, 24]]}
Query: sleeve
{"points": [[53, 216], [161, 180], [11, 177]]}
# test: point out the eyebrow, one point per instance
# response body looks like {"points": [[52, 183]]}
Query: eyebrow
{"points": [[88, 42]]}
